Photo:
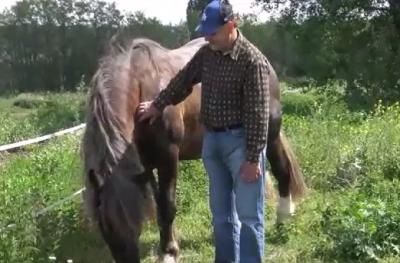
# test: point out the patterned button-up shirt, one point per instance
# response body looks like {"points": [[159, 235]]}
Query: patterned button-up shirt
{"points": [[235, 90]]}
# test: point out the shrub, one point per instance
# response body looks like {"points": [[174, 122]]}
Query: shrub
{"points": [[299, 104]]}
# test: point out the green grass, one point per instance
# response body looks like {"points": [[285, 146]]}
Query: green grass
{"points": [[351, 162], [28, 115]]}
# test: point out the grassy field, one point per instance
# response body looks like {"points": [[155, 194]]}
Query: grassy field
{"points": [[351, 161]]}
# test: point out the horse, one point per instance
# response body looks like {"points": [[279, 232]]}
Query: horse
{"points": [[120, 153]]}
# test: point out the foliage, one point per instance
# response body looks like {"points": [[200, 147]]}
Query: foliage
{"points": [[48, 113], [347, 53], [356, 42], [298, 104], [54, 44], [350, 161]]}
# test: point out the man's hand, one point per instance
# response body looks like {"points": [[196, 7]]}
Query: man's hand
{"points": [[147, 110], [250, 171]]}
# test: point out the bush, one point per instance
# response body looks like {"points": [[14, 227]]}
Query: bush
{"points": [[53, 113], [299, 104], [364, 228], [29, 104], [56, 117], [29, 101]]}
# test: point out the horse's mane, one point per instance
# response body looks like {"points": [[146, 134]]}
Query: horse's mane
{"points": [[104, 141]]}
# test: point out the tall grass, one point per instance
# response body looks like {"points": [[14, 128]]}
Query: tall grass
{"points": [[350, 160]]}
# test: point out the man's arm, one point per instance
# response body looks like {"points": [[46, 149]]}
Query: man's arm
{"points": [[256, 109], [181, 85]]}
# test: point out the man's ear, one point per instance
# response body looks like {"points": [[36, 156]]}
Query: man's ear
{"points": [[95, 180], [231, 25]]}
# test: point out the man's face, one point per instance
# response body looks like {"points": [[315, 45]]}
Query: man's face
{"points": [[220, 39]]}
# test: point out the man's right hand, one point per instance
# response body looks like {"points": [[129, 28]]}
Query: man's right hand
{"points": [[147, 110]]}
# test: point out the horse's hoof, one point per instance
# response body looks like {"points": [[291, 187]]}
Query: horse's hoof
{"points": [[167, 258], [286, 209], [282, 218]]}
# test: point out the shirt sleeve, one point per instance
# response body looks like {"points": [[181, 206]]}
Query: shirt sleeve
{"points": [[256, 109], [181, 86]]}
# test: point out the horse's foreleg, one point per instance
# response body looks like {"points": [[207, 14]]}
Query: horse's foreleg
{"points": [[167, 168]]}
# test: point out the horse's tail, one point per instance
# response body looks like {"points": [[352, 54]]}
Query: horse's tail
{"points": [[297, 187], [269, 188]]}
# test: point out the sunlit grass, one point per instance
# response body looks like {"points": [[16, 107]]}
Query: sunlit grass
{"points": [[351, 162]]}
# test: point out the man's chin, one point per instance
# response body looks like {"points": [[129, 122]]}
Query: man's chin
{"points": [[214, 47]]}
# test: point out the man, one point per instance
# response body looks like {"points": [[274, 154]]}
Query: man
{"points": [[235, 111]]}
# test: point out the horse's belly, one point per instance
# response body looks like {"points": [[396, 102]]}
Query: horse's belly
{"points": [[190, 147]]}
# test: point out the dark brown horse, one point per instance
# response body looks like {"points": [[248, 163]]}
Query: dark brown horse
{"points": [[119, 154]]}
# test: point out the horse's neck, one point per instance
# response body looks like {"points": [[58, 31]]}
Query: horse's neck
{"points": [[186, 52], [178, 58]]}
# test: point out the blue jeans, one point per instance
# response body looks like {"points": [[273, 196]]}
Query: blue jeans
{"points": [[237, 206]]}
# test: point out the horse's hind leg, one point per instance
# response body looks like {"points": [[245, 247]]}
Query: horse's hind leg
{"points": [[167, 168], [287, 172]]}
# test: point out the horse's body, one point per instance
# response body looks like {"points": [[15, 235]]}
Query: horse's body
{"points": [[119, 153]]}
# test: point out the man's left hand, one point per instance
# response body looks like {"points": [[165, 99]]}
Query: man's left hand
{"points": [[250, 171]]}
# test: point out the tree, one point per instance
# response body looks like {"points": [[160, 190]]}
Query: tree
{"points": [[193, 12], [356, 42]]}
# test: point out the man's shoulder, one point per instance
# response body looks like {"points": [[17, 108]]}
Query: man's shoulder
{"points": [[253, 54]]}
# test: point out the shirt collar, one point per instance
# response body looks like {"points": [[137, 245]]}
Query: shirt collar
{"points": [[235, 51]]}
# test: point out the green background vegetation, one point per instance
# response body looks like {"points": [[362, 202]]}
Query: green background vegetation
{"points": [[343, 125]]}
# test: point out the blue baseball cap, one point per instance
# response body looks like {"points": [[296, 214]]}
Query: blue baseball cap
{"points": [[211, 18]]}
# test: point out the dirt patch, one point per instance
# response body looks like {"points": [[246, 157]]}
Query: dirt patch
{"points": [[6, 155], [3, 158]]}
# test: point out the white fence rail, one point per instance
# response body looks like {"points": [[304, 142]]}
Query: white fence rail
{"points": [[36, 140], [291, 91], [59, 202], [40, 139]]}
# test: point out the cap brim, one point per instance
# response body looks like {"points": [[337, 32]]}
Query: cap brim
{"points": [[201, 28]]}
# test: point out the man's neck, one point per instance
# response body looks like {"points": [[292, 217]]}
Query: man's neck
{"points": [[232, 41]]}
